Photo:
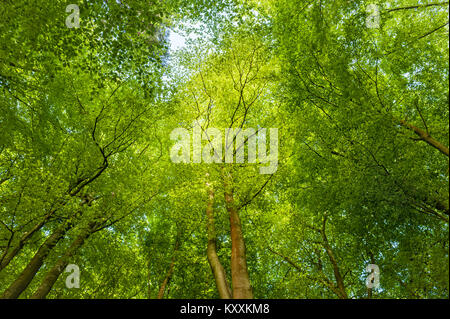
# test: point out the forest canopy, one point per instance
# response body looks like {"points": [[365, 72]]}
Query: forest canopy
{"points": [[270, 149]]}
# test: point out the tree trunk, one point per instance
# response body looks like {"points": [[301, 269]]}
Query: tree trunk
{"points": [[166, 281], [149, 281], [242, 288], [27, 275], [337, 274], [427, 138], [218, 271], [169, 274], [53, 274], [6, 258], [369, 290]]}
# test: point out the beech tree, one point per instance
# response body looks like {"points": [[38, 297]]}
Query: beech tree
{"points": [[281, 149]]}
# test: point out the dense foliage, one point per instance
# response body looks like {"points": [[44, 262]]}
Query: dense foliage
{"points": [[361, 175]]}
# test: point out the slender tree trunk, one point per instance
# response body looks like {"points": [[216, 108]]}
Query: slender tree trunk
{"points": [[218, 271], [438, 204], [27, 275], [7, 257], [149, 281], [240, 279], [337, 274], [53, 274], [166, 280], [322, 278], [169, 274], [369, 290], [427, 138]]}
